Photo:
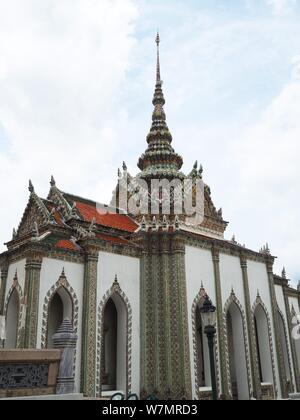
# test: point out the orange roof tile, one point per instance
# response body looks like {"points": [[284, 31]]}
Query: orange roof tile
{"points": [[116, 221], [66, 244]]}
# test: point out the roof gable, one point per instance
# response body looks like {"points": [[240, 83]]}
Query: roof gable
{"points": [[34, 217]]}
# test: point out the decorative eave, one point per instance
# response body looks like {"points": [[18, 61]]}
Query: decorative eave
{"points": [[43, 231], [291, 292], [281, 281], [226, 246]]}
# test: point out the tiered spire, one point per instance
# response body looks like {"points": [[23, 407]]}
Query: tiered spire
{"points": [[160, 159]]}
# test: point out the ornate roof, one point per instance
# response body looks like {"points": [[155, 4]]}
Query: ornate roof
{"points": [[63, 219]]}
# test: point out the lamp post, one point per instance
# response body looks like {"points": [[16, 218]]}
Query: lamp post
{"points": [[209, 318]]}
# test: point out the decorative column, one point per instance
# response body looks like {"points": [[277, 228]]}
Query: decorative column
{"points": [[275, 316], [222, 339], [4, 273], [251, 332], [165, 268], [147, 309], [66, 339], [180, 353], [292, 341], [31, 298], [165, 359], [89, 316]]}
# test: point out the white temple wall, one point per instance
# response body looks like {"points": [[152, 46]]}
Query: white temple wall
{"points": [[50, 273], [128, 271], [199, 268], [18, 266], [231, 278]]}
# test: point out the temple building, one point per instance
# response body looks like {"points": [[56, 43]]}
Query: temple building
{"points": [[132, 286]]}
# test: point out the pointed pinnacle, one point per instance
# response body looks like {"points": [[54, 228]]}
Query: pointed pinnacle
{"points": [[31, 187], [52, 182], [158, 79]]}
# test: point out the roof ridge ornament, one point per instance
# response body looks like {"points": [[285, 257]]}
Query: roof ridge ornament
{"points": [[14, 236], [52, 182], [31, 187]]}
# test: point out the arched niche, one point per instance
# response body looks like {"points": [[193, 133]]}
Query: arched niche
{"points": [[237, 357], [60, 308], [200, 347], [114, 343], [12, 319], [264, 354]]}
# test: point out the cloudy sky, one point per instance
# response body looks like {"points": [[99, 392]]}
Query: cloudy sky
{"points": [[76, 84]]}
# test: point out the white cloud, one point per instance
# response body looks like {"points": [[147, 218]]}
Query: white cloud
{"points": [[282, 7], [62, 67], [268, 165], [64, 83]]}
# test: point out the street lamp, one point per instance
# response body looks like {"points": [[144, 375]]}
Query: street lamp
{"points": [[209, 318]]}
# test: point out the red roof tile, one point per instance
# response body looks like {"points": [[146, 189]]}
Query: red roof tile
{"points": [[66, 244], [116, 221]]}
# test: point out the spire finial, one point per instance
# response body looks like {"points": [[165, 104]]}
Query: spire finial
{"points": [[31, 187], [158, 79]]}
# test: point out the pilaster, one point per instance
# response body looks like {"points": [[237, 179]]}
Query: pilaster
{"points": [[28, 337], [89, 320], [4, 273], [275, 316], [224, 374], [251, 332]]}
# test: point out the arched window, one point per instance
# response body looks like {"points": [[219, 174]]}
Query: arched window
{"points": [[237, 353], [60, 308], [263, 345], [12, 320]]}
